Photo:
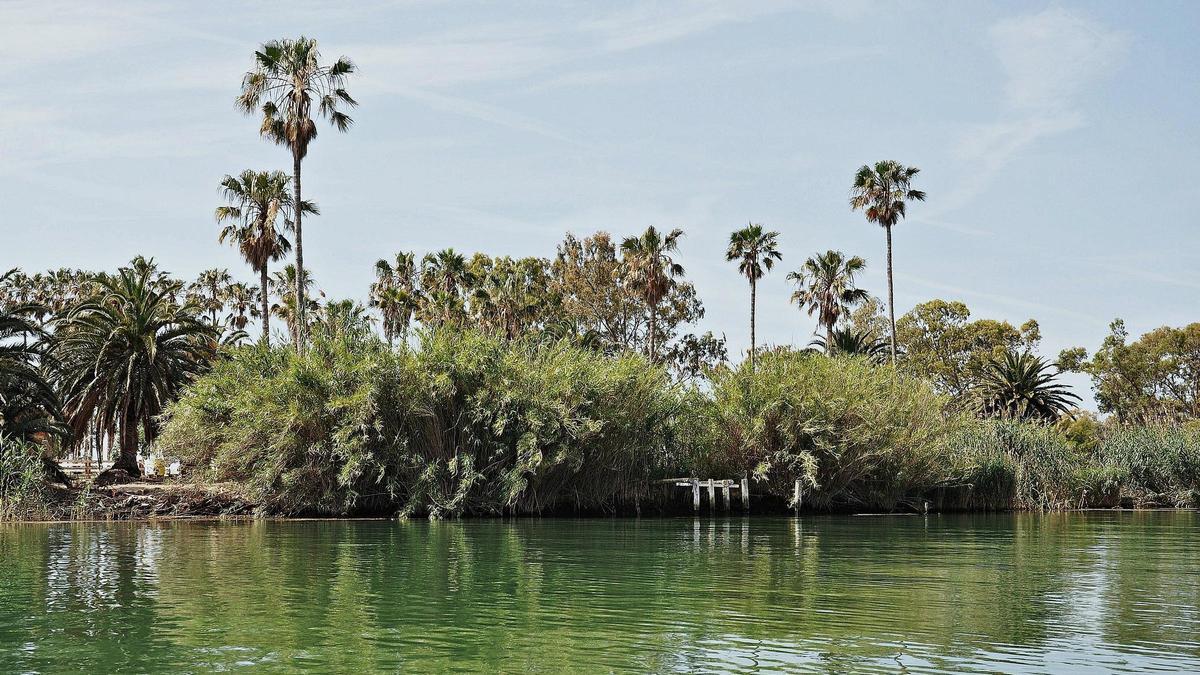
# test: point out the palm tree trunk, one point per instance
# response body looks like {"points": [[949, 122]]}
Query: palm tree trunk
{"points": [[891, 294], [653, 331], [127, 459], [753, 311], [265, 299], [301, 321], [828, 338]]}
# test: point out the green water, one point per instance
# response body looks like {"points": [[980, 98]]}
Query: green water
{"points": [[1056, 593]]}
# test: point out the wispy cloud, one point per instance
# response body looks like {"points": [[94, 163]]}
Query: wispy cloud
{"points": [[1049, 59], [1000, 299]]}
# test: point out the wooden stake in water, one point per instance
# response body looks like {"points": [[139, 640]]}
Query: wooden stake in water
{"points": [[712, 496], [696, 495], [745, 494], [796, 495], [725, 493]]}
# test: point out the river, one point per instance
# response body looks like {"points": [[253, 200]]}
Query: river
{"points": [[1064, 592]]}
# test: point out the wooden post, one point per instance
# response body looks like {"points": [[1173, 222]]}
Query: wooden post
{"points": [[745, 494], [712, 496], [695, 495], [725, 493], [796, 496]]}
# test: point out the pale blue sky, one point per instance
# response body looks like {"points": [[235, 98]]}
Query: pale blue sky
{"points": [[1054, 141]]}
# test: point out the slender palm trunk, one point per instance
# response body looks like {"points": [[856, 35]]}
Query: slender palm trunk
{"points": [[891, 294], [753, 311], [301, 321], [828, 338], [264, 298], [653, 331]]}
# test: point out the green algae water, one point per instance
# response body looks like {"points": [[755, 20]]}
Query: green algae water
{"points": [[1073, 592]]}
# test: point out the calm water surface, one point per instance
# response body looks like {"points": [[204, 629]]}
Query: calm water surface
{"points": [[1055, 593]]}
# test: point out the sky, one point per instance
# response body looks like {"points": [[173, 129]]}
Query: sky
{"points": [[1052, 139]]}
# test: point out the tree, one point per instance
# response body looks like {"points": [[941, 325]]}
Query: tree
{"points": [[444, 278], [1155, 378], [126, 354], [882, 192], [755, 252], [394, 294], [209, 292], [257, 200], [825, 285], [652, 273], [287, 79], [241, 298], [854, 342], [29, 405], [1021, 386], [283, 285], [939, 342]]}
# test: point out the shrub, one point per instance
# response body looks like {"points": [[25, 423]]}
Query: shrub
{"points": [[21, 479], [464, 423], [854, 434]]}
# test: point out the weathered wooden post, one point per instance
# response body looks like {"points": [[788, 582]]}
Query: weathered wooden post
{"points": [[696, 495], [745, 494], [796, 496], [712, 496], [725, 493]]}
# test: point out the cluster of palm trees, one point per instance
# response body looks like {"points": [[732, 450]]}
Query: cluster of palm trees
{"points": [[104, 361], [288, 86]]}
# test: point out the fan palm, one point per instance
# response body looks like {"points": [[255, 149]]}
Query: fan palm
{"points": [[283, 285], [287, 79], [853, 342], [444, 276], [825, 286], [241, 298], [126, 354], [882, 193], [755, 252], [652, 273], [210, 289], [1022, 386], [256, 202], [394, 294]]}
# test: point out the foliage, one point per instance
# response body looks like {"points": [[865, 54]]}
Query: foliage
{"points": [[853, 433], [463, 423], [850, 342], [29, 404], [940, 343], [21, 478], [1153, 379], [1023, 387], [825, 287], [755, 252], [128, 352], [652, 271], [1159, 460]]}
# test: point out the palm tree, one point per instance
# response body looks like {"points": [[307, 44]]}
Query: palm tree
{"points": [[852, 342], [29, 406], [652, 272], [257, 199], [126, 354], [882, 193], [756, 252], [444, 275], [287, 79], [283, 285], [1024, 387], [241, 298], [210, 289], [825, 285], [393, 293]]}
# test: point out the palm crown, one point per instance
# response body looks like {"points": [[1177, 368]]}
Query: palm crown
{"points": [[825, 287]]}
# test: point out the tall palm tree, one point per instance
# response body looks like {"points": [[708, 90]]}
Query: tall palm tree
{"points": [[825, 286], [652, 272], [882, 193], [755, 251], [209, 289], [444, 276], [287, 79], [241, 298], [283, 285], [393, 293], [1024, 387], [256, 202], [126, 354]]}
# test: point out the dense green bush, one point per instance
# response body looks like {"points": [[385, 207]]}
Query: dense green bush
{"points": [[461, 424], [854, 434], [1160, 460], [1004, 464]]}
